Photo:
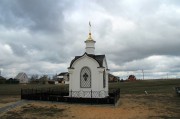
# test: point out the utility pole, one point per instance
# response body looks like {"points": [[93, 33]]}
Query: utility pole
{"points": [[143, 73], [167, 75]]}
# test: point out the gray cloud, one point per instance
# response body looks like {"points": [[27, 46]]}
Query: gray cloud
{"points": [[36, 15], [42, 36]]}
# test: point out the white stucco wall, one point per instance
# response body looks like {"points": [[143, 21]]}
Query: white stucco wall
{"points": [[96, 76], [90, 46]]}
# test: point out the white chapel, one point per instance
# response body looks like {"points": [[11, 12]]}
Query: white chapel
{"points": [[88, 73]]}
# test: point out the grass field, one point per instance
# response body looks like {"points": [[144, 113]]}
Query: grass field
{"points": [[151, 86], [137, 87], [160, 103], [15, 89]]}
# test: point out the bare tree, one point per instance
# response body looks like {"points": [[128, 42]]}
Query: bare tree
{"points": [[54, 77], [34, 77], [43, 79]]}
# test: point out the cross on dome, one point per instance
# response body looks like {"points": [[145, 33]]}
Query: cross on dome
{"points": [[89, 37], [85, 76]]}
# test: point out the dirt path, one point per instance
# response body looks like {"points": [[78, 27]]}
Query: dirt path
{"points": [[130, 107], [12, 106]]}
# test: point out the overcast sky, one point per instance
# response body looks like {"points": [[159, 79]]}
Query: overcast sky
{"points": [[43, 36]]}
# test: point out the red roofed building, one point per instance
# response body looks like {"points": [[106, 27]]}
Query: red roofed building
{"points": [[131, 78]]}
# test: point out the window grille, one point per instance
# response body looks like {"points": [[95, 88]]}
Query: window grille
{"points": [[85, 78]]}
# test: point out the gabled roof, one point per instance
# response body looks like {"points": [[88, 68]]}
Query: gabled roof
{"points": [[98, 58], [111, 75], [21, 75], [62, 73]]}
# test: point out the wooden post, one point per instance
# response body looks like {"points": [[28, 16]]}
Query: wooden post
{"points": [[21, 93], [114, 98], [35, 95], [32, 97]]}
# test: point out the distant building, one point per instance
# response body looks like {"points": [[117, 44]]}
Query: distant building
{"points": [[53, 82], [113, 78], [22, 77], [131, 78], [63, 77]]}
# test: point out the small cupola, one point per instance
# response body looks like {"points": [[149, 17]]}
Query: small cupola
{"points": [[90, 43]]}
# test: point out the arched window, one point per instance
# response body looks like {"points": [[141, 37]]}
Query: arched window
{"points": [[85, 78], [104, 79]]}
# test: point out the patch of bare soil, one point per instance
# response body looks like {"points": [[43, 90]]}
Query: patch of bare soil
{"points": [[130, 107], [7, 100], [35, 111]]}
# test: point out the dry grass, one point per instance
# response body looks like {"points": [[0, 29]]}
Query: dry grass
{"points": [[8, 99], [15, 89], [156, 106], [35, 111], [161, 103]]}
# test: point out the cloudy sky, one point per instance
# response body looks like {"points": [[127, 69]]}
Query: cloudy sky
{"points": [[43, 36]]}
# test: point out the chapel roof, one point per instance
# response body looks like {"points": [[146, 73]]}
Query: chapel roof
{"points": [[98, 58]]}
